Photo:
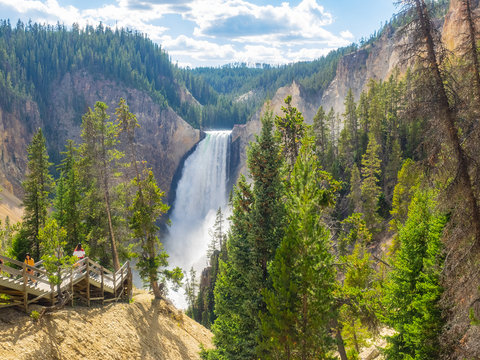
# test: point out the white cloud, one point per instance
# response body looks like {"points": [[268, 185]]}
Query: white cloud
{"points": [[346, 34]]}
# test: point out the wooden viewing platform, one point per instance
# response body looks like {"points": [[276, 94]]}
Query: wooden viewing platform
{"points": [[86, 280]]}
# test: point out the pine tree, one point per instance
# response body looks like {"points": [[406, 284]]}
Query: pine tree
{"points": [[392, 168], [256, 230], [299, 312], [68, 197], [146, 210], [290, 130], [233, 328], [413, 290], [321, 131], [359, 299], [408, 180], [37, 186], [99, 163], [349, 138], [356, 189], [370, 189]]}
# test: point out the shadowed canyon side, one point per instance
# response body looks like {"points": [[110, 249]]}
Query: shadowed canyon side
{"points": [[164, 137], [201, 190]]}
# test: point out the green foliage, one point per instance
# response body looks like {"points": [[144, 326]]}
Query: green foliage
{"points": [[473, 319], [53, 241], [413, 290], [408, 182], [37, 186], [300, 304], [360, 299], [68, 196], [100, 168], [256, 230], [290, 130], [202, 303], [353, 231], [35, 315], [370, 189], [146, 209]]}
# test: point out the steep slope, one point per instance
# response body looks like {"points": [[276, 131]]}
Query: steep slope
{"points": [[165, 137], [143, 329]]}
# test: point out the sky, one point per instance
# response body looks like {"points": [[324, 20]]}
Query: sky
{"points": [[216, 32]]}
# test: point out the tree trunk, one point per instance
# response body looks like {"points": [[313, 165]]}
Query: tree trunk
{"points": [[113, 244], [448, 116], [339, 339], [116, 262]]}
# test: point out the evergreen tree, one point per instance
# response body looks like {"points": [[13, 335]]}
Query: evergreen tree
{"points": [[67, 202], [356, 189], [290, 130], [299, 307], [99, 163], [349, 138], [233, 328], [408, 180], [37, 186], [413, 290], [370, 189], [321, 131], [392, 168], [359, 299], [146, 210], [256, 230]]}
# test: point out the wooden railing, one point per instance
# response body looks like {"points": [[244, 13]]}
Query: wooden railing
{"points": [[22, 287]]}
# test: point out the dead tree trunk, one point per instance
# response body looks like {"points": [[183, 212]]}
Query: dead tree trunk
{"points": [[447, 115]]}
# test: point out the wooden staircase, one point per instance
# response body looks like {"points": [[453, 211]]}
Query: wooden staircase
{"points": [[86, 281]]}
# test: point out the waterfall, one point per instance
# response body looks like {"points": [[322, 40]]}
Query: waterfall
{"points": [[202, 189]]}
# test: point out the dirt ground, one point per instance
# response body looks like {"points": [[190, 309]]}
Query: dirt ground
{"points": [[144, 329]]}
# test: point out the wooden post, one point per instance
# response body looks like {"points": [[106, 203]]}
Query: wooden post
{"points": [[71, 285], [25, 291], [130, 285], [114, 284], [103, 290], [123, 285], [88, 283]]}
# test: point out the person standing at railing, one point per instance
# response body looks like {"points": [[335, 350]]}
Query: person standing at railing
{"points": [[79, 252], [29, 261]]}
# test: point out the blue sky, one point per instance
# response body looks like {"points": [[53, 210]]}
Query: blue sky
{"points": [[216, 32]]}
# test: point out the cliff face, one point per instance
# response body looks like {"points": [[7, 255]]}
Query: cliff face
{"points": [[375, 61], [455, 26], [17, 125], [164, 138]]}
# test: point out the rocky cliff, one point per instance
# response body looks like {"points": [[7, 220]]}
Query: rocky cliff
{"points": [[164, 138]]}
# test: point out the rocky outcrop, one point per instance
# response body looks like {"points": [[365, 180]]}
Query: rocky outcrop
{"points": [[454, 26], [375, 61]]}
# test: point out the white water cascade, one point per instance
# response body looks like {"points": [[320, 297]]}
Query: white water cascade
{"points": [[202, 189]]}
